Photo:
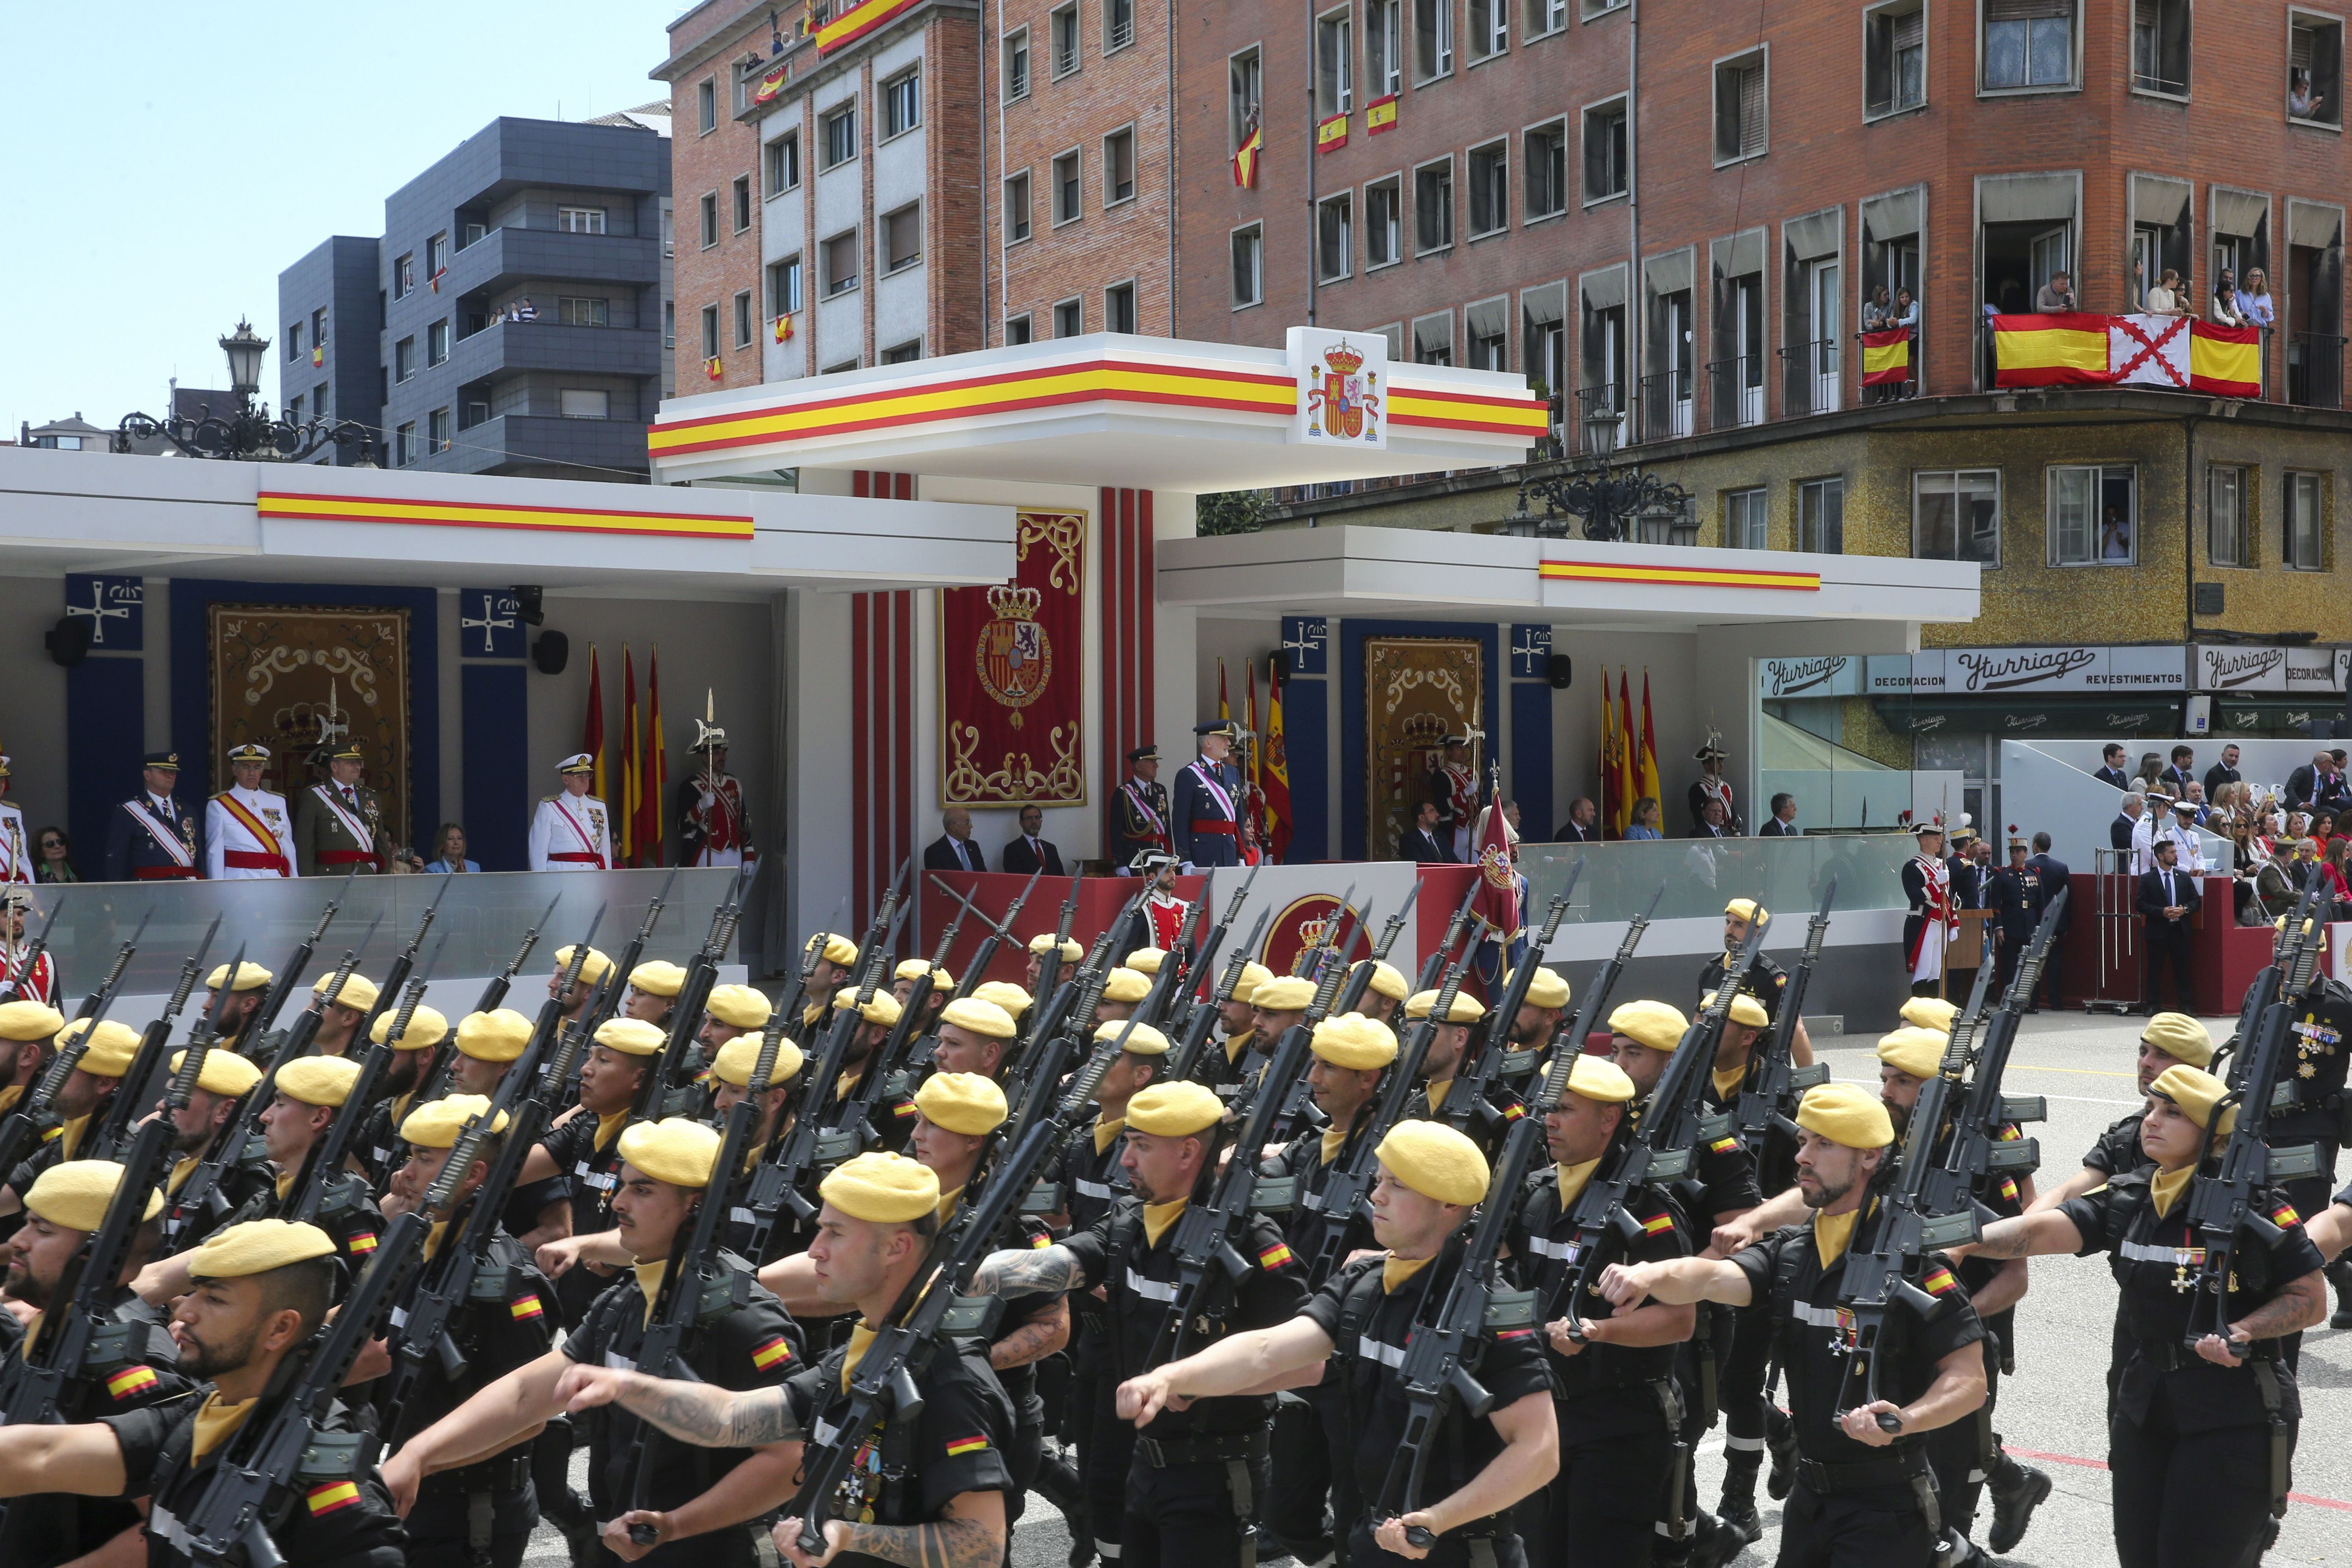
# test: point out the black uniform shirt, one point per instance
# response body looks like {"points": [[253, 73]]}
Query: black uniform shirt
{"points": [[2321, 1053], [2117, 1150], [1722, 1178], [1302, 1158], [1093, 1182], [593, 1173], [1548, 1259], [347, 1213], [185, 1226], [1764, 981]]}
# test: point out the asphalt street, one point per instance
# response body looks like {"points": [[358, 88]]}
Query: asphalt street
{"points": [[2052, 1412]]}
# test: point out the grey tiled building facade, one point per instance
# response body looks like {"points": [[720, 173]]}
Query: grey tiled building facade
{"points": [[326, 348], [514, 319]]}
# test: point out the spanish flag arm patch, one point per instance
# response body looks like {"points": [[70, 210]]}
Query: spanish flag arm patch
{"points": [[772, 1352], [333, 1498], [1724, 1146], [2284, 1215], [1274, 1257], [904, 1108], [1658, 1223], [132, 1382], [1939, 1280], [2009, 1188], [1513, 1111], [975, 1444], [527, 1309], [362, 1243]]}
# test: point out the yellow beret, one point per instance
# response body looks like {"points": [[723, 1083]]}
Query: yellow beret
{"points": [[317, 1080], [591, 970], [659, 977], [1283, 994], [738, 1007], [1435, 1161], [633, 1037], [1175, 1110], [226, 1073], [1145, 960], [1931, 1013], [1599, 1079], [110, 1051], [737, 1057], [1745, 1009], [916, 968], [679, 1151], [980, 1017], [496, 1036], [2197, 1092], [1467, 1008], [1128, 985], [1254, 974], [2180, 1036], [838, 949], [256, 1247], [425, 1028], [359, 992], [962, 1102], [76, 1193], [882, 1189], [1546, 988], [1142, 1040], [1387, 979], [1652, 1023], [250, 976], [1006, 994], [880, 1008], [1043, 943], [1353, 1040], [29, 1020], [1845, 1113], [1914, 1050], [436, 1123], [1746, 909]]}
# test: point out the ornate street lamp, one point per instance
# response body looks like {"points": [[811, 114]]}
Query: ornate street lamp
{"points": [[1607, 498], [245, 433]]}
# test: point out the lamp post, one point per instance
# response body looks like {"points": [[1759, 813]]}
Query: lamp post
{"points": [[1606, 496], [246, 433]]}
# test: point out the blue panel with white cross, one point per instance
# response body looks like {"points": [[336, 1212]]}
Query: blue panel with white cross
{"points": [[489, 624], [1306, 640], [116, 608], [1530, 652]]}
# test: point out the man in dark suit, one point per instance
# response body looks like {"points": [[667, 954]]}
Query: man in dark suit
{"points": [[2166, 898], [2332, 791], [2111, 767], [2303, 784], [1583, 824], [954, 850], [1711, 822], [2119, 831], [1027, 853], [2046, 877], [1782, 823], [2223, 772], [152, 836], [2182, 772], [1419, 842]]}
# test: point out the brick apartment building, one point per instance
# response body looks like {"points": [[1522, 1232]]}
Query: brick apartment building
{"points": [[715, 180]]}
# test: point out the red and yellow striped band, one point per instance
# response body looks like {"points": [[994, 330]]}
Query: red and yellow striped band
{"points": [[958, 1446], [856, 21], [1466, 411], [770, 1352], [332, 1496], [131, 1379], [1679, 577], [490, 514]]}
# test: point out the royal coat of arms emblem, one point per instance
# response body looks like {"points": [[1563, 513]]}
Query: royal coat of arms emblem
{"points": [[1345, 403], [1013, 656]]}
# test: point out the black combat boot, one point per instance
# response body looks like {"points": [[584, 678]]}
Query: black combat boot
{"points": [[2016, 1490]]}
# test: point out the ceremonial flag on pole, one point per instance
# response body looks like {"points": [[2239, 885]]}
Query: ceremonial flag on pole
{"points": [[1648, 783], [632, 761], [653, 773], [1628, 769], [1612, 824], [1278, 770], [1253, 774], [1224, 707], [1886, 357], [1498, 881], [593, 742]]}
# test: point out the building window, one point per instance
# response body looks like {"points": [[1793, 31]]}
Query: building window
{"points": [[711, 331], [1118, 308], [783, 164], [1545, 16], [2093, 516], [1739, 108], [1608, 168], [1490, 28], [1016, 65], [743, 319], [709, 220], [1066, 41], [1432, 206], [706, 100], [902, 237], [1119, 25], [784, 286], [575, 311], [841, 135], [404, 359], [1016, 209], [319, 328], [902, 104], [318, 402], [1821, 516], [1383, 47], [1119, 168], [847, 364], [437, 254], [1242, 84], [478, 412], [293, 341], [2228, 538], [2028, 44], [907, 353], [1547, 171], [743, 191], [2301, 548], [670, 324], [2315, 69], [1335, 64], [293, 410], [1433, 38], [1432, 339], [1490, 345], [437, 431], [1383, 223], [841, 264], [1249, 266], [1956, 515], [404, 276], [1069, 319], [1744, 526], [1490, 208], [580, 220], [436, 342], [2160, 46], [586, 402], [1334, 238], [403, 444], [1066, 188], [1894, 57], [1018, 329]]}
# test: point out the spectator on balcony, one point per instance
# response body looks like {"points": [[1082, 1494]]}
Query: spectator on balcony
{"points": [[2301, 102], [2057, 295], [1906, 311], [2254, 300], [2111, 766], [1647, 816], [1583, 824], [2114, 536], [1782, 823], [1877, 314], [2164, 299], [2226, 309]]}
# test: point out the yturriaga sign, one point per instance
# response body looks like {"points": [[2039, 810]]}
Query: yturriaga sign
{"points": [[2223, 668], [2001, 672]]}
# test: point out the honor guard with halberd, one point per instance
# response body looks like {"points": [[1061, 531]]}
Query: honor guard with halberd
{"points": [[18, 983], [1711, 784], [1927, 885], [1163, 912], [338, 821], [15, 856], [1453, 787], [573, 830], [1138, 810], [1206, 813], [714, 825], [152, 838], [246, 826]]}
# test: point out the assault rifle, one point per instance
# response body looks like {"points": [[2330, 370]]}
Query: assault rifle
{"points": [[1189, 1000], [1766, 1093], [1191, 1047], [1360, 972], [31, 1117], [132, 1097], [1975, 1151], [811, 954], [896, 1051], [2278, 978], [654, 1090], [19, 973], [1049, 964], [494, 995], [999, 930], [1300, 1113], [1471, 1098], [324, 1164], [610, 1002], [296, 1040], [1513, 1065], [395, 979], [290, 974], [1073, 1001]]}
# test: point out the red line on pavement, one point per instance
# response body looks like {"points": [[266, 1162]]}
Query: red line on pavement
{"points": [[2102, 1464]]}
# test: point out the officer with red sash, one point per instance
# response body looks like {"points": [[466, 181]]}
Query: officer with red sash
{"points": [[1206, 816], [152, 836], [246, 826], [572, 831]]}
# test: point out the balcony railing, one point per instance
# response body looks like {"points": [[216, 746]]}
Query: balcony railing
{"points": [[1808, 378], [1893, 391], [1666, 410], [1600, 418], [1736, 392]]}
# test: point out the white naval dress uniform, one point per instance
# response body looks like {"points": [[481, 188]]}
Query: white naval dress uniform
{"points": [[572, 833], [15, 846], [246, 834]]}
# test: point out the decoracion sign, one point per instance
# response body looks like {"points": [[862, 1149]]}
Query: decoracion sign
{"points": [[2230, 667], [1013, 682], [1417, 691], [295, 679], [1989, 671], [116, 608], [1305, 922], [1343, 388]]}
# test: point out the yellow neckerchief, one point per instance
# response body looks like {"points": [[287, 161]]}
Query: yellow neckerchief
{"points": [[1831, 1232], [69, 1136], [810, 1015], [843, 1084], [752, 1156], [32, 1332], [1438, 1091], [216, 1421], [650, 1281], [9, 1097], [433, 1238], [860, 1337], [1106, 1130], [1572, 1179], [1727, 1079], [1158, 1217], [1234, 1046], [2166, 1187], [1395, 1271], [285, 1182], [400, 1110], [181, 1169], [609, 1128], [1334, 1139], [947, 1203]]}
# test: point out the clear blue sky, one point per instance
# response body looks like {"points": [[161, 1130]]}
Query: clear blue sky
{"points": [[163, 163]]}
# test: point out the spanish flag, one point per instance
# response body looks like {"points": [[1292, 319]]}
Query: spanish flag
{"points": [[1279, 822], [333, 1497], [2225, 361], [2067, 350], [1245, 159], [1885, 357], [711, 367], [785, 327], [318, 355], [1331, 134], [1381, 115], [1274, 1257], [856, 21]]}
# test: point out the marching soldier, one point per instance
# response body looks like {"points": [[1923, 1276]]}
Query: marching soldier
{"points": [[729, 1011], [1927, 884], [247, 827], [836, 955], [1205, 815], [1220, 1065], [340, 1014], [731, 1079], [209, 1116], [573, 830], [377, 1146], [2167, 1040], [1447, 1059], [27, 1027], [488, 1044], [1765, 979], [16, 858], [338, 821], [247, 990], [1275, 1004], [584, 1148], [1123, 990], [1039, 946], [714, 824], [892, 1115], [652, 992], [152, 838], [974, 1035], [38, 983], [1138, 812], [88, 1091], [902, 987]]}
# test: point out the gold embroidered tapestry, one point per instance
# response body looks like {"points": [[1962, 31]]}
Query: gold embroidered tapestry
{"points": [[1416, 691], [1012, 674], [294, 679]]}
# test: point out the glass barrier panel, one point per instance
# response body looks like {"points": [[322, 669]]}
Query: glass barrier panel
{"points": [[1701, 875]]}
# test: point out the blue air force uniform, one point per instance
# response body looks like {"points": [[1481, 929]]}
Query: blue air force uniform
{"points": [[1205, 815], [151, 839]]}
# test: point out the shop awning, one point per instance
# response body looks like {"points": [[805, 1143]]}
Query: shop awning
{"points": [[2089, 716], [2282, 718]]}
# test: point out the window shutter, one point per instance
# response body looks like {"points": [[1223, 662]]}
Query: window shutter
{"points": [[1908, 29], [2026, 10], [1751, 110], [2298, 47]]}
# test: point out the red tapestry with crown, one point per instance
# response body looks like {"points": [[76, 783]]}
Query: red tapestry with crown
{"points": [[1013, 675]]}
